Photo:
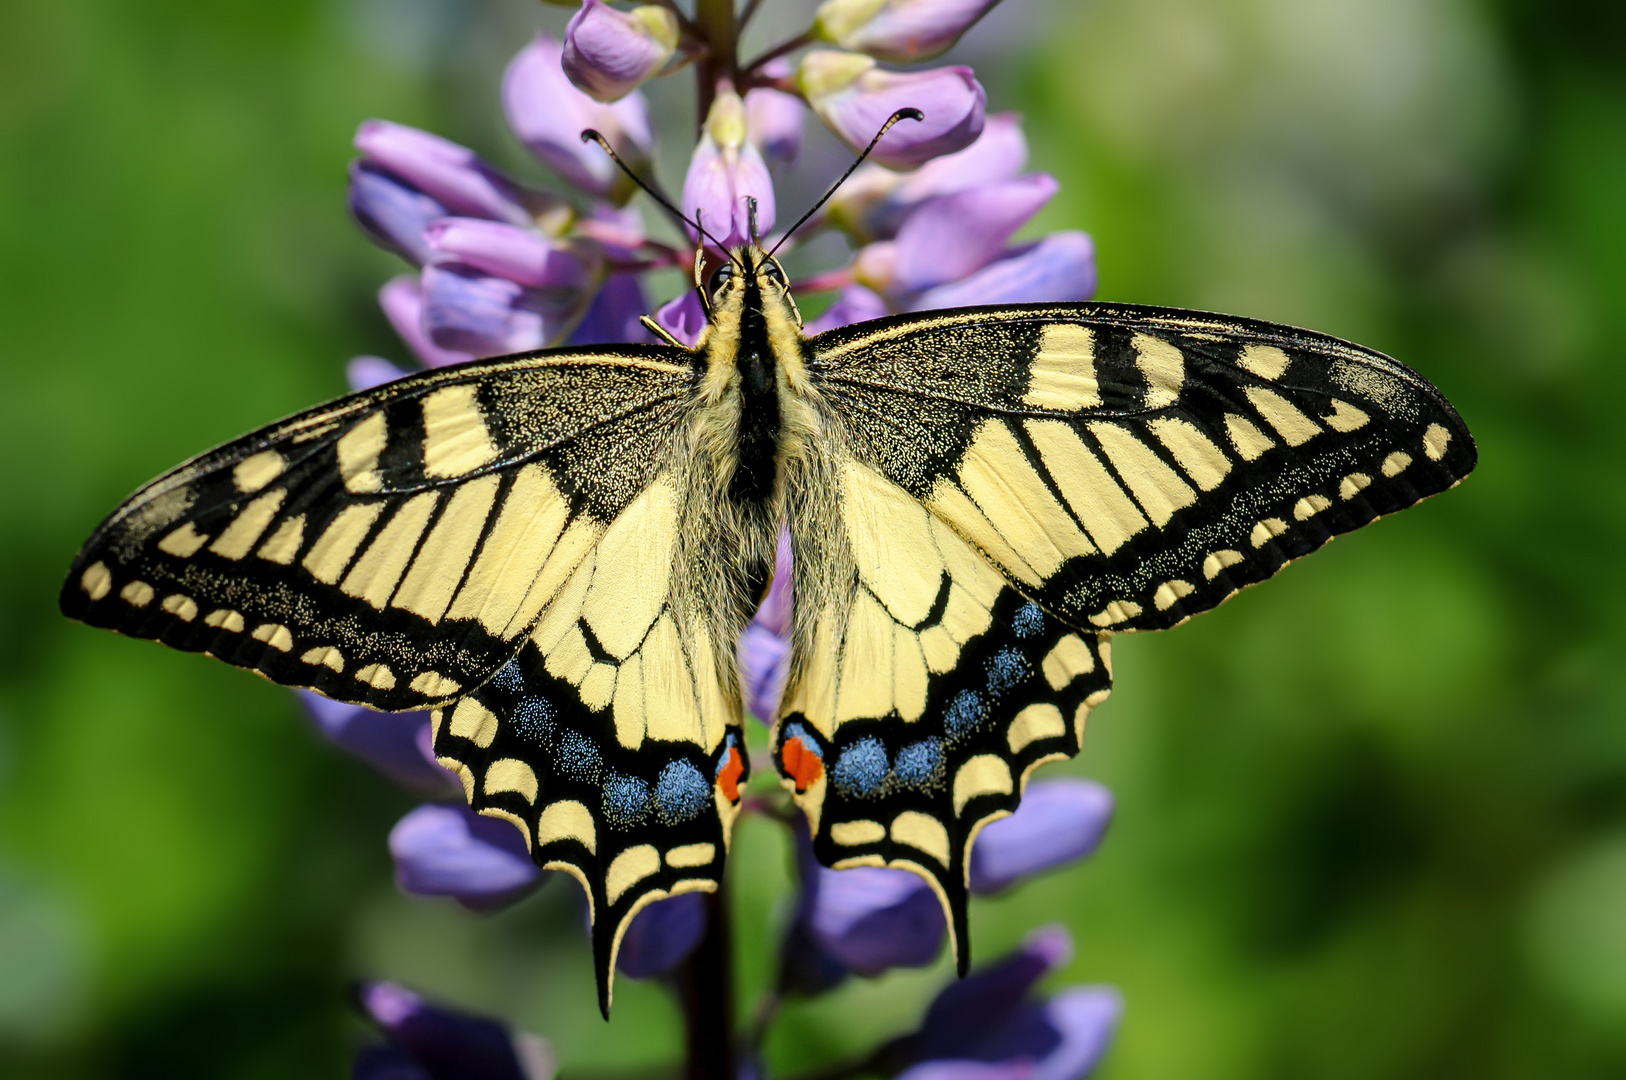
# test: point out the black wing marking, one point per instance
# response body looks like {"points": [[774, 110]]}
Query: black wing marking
{"points": [[635, 815], [1130, 467], [390, 548], [928, 694]]}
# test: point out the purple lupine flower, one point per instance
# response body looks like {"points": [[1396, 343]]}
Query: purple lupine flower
{"points": [[449, 850], [1059, 268], [950, 237], [725, 171], [389, 742], [549, 114], [608, 53], [450, 174], [775, 119], [855, 304], [444, 1044], [402, 301], [684, 318], [871, 918], [989, 1018], [485, 315], [366, 372], [615, 312], [1059, 821], [904, 30], [393, 212], [523, 256], [662, 936], [854, 98]]}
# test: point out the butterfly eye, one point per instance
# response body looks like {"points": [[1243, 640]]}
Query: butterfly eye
{"points": [[720, 278], [771, 271]]}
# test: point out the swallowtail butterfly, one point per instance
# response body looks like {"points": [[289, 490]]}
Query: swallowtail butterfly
{"points": [[557, 551]]}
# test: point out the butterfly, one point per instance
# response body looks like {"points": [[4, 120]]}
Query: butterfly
{"points": [[556, 552]]}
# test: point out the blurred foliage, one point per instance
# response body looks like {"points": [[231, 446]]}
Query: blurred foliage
{"points": [[1372, 817]]}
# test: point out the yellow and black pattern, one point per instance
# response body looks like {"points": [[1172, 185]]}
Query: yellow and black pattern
{"points": [[634, 817], [1130, 467], [392, 548], [556, 553], [932, 693]]}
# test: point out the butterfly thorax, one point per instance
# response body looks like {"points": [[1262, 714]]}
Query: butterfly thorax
{"points": [[751, 427]]}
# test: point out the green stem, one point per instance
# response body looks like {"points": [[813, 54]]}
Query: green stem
{"points": [[714, 21], [706, 986]]}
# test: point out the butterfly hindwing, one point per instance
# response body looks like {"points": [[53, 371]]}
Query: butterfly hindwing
{"points": [[932, 691], [636, 810], [1129, 467], [393, 547]]}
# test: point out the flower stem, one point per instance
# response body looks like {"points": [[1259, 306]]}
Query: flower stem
{"points": [[714, 21], [706, 986]]}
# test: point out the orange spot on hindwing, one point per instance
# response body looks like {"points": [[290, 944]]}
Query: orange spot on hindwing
{"points": [[801, 761]]}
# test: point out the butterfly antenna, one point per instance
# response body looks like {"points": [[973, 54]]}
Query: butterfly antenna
{"points": [[901, 114], [604, 144]]}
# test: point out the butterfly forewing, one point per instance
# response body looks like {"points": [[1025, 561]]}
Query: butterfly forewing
{"points": [[394, 547], [1129, 467]]}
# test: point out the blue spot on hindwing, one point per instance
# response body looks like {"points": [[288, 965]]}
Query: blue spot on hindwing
{"points": [[626, 800], [533, 720], [578, 758], [681, 792], [508, 678], [920, 765], [809, 743], [964, 714], [1027, 621], [1007, 670], [861, 769]]}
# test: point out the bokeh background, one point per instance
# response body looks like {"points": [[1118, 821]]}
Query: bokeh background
{"points": [[1372, 817]]}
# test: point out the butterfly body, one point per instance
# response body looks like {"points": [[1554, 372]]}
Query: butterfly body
{"points": [[556, 553]]}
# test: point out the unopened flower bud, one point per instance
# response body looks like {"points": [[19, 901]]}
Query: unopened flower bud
{"points": [[393, 213], [898, 29], [725, 172], [402, 301], [952, 236], [855, 98], [549, 114], [608, 53], [453, 175], [520, 255]]}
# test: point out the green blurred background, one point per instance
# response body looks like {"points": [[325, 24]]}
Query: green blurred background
{"points": [[1372, 817]]}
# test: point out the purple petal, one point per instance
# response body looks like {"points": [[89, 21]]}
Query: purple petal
{"points": [[402, 301], [775, 121], [662, 936], [386, 741], [872, 918], [447, 1044], [501, 250], [608, 53], [952, 236], [725, 171], [1058, 821], [366, 372], [1087, 1018], [613, 317], [902, 30], [491, 316], [855, 304], [983, 1016], [451, 174], [854, 99], [1059, 268], [683, 318], [549, 114], [393, 213], [480, 862]]}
